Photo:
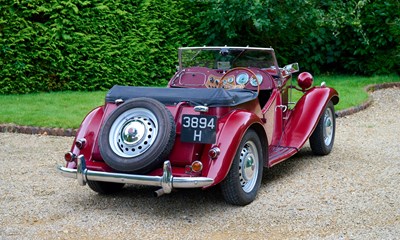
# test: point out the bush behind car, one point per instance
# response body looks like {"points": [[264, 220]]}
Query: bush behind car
{"points": [[82, 45]]}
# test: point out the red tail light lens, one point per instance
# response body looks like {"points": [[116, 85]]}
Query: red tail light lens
{"points": [[80, 143], [214, 152], [69, 157]]}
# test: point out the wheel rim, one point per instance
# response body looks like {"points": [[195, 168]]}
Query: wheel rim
{"points": [[248, 166], [328, 126], [133, 132]]}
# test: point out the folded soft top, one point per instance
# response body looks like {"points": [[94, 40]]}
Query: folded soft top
{"points": [[212, 97]]}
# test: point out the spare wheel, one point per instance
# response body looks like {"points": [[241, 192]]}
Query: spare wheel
{"points": [[137, 136]]}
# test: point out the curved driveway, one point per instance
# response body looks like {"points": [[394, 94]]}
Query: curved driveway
{"points": [[353, 193]]}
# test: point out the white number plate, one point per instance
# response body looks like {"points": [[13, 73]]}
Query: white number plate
{"points": [[198, 128]]}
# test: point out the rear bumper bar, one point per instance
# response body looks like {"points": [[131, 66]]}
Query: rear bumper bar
{"points": [[166, 181]]}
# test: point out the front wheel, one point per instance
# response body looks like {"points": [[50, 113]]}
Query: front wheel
{"points": [[241, 185], [321, 141]]}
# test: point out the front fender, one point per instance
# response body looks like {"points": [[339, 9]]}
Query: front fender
{"points": [[306, 114], [234, 126]]}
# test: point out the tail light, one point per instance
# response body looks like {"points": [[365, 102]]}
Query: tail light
{"points": [[214, 152], [69, 157], [80, 143], [195, 167]]}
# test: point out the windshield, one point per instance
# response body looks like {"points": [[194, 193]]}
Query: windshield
{"points": [[225, 58]]}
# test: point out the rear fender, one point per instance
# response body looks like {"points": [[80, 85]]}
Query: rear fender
{"points": [[232, 129], [306, 114], [88, 130]]}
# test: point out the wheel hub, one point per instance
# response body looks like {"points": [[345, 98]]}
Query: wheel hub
{"points": [[248, 166], [133, 132], [248, 169], [328, 127]]}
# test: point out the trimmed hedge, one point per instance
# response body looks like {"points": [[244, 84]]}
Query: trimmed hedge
{"points": [[53, 45], [89, 45]]}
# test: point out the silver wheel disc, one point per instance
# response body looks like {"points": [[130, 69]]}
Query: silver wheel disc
{"points": [[248, 166], [328, 126], [133, 132]]}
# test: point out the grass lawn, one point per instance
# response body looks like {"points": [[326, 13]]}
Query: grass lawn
{"points": [[59, 109], [67, 109], [351, 88]]}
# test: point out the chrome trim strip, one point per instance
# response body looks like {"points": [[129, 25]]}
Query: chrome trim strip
{"points": [[167, 181]]}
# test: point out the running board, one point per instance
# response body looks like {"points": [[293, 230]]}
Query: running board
{"points": [[280, 153]]}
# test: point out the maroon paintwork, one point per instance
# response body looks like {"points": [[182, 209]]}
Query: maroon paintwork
{"points": [[282, 133], [305, 80], [263, 116]]}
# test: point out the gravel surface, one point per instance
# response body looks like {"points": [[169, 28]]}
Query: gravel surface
{"points": [[353, 193]]}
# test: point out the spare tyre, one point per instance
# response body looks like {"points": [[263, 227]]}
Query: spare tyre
{"points": [[137, 136]]}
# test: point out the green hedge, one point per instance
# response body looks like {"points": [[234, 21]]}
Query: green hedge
{"points": [[52, 45], [89, 45]]}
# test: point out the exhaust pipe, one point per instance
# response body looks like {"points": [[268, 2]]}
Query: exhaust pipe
{"points": [[159, 192]]}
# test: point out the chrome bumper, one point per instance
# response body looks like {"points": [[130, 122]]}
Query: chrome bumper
{"points": [[166, 181]]}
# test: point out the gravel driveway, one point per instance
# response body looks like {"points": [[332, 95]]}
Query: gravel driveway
{"points": [[353, 193]]}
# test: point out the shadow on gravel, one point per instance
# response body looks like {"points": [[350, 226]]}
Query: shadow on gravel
{"points": [[134, 200], [283, 170], [139, 200]]}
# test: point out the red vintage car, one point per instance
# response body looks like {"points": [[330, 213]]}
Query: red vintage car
{"points": [[225, 115]]}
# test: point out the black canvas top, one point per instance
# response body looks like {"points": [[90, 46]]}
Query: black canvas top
{"points": [[212, 97]]}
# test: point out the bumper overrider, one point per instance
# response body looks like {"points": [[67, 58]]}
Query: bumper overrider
{"points": [[166, 181]]}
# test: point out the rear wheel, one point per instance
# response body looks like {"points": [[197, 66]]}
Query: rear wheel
{"points": [[241, 185], [105, 187], [321, 141]]}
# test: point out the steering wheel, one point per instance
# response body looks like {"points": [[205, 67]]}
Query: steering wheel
{"points": [[252, 74]]}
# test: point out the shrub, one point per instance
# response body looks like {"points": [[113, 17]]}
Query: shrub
{"points": [[52, 45], [364, 36], [89, 45], [358, 37]]}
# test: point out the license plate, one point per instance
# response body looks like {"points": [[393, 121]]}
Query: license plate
{"points": [[198, 128]]}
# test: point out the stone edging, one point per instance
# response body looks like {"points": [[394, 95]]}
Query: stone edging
{"points": [[366, 104], [12, 128]]}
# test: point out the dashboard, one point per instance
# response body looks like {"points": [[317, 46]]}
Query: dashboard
{"points": [[201, 77]]}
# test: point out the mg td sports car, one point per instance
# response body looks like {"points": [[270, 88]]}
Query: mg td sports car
{"points": [[225, 115]]}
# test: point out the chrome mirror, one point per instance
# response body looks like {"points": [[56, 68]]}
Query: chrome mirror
{"points": [[291, 68]]}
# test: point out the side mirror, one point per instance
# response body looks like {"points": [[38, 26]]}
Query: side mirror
{"points": [[291, 68]]}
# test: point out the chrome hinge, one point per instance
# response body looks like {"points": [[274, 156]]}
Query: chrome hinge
{"points": [[118, 101], [201, 108], [283, 107]]}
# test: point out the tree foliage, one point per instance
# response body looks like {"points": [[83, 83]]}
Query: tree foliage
{"points": [[355, 36], [51, 45], [89, 45]]}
